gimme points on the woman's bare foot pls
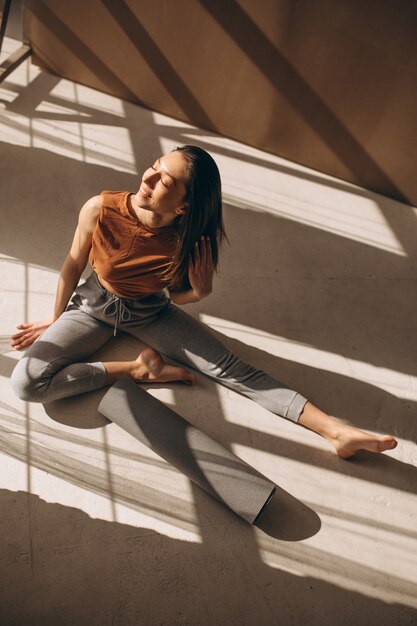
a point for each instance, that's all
(149, 367)
(348, 441)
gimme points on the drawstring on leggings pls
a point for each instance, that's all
(117, 307)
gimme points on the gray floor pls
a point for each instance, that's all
(317, 287)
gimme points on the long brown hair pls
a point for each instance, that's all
(203, 215)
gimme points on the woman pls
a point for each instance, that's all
(165, 237)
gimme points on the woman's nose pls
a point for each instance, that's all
(150, 177)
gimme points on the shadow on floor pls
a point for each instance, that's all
(60, 566)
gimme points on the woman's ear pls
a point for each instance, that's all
(181, 210)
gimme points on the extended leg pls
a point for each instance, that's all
(186, 340)
(181, 338)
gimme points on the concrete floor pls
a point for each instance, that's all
(317, 287)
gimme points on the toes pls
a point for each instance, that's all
(188, 378)
(387, 443)
(177, 373)
(371, 444)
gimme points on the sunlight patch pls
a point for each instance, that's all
(399, 384)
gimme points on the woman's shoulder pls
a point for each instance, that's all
(90, 212)
(92, 207)
(105, 203)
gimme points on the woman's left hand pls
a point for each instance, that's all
(200, 270)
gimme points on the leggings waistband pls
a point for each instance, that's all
(97, 301)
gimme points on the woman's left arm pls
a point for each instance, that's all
(200, 274)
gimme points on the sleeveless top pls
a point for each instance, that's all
(126, 253)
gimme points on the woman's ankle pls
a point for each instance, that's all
(319, 422)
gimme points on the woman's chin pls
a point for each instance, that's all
(139, 198)
(140, 202)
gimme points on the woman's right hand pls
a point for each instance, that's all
(29, 333)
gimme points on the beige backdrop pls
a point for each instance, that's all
(331, 84)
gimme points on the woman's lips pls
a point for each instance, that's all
(143, 193)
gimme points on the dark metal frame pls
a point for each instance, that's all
(15, 59)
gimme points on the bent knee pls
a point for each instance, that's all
(27, 381)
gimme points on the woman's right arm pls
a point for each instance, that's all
(73, 267)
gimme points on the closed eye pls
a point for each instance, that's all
(155, 170)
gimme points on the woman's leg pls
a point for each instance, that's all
(50, 368)
(346, 440)
(182, 338)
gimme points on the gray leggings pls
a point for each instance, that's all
(51, 369)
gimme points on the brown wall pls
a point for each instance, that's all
(331, 84)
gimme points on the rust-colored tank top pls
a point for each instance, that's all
(125, 252)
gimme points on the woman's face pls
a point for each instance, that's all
(162, 189)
